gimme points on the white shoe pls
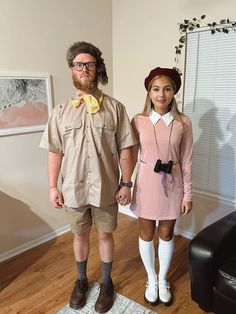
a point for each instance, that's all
(164, 292)
(151, 293)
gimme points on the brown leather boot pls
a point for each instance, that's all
(105, 298)
(78, 296)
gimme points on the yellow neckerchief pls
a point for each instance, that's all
(92, 103)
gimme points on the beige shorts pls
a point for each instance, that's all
(82, 218)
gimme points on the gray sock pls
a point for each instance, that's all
(82, 269)
(106, 272)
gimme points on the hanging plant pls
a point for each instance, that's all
(189, 25)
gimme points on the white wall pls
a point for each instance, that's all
(34, 38)
(144, 36)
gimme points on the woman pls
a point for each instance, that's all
(162, 190)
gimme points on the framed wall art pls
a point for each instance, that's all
(25, 102)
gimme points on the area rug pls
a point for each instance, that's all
(122, 305)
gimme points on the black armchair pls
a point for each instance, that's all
(212, 263)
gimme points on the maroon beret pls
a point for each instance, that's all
(172, 73)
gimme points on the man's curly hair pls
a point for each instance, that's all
(84, 47)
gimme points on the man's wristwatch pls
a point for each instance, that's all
(128, 184)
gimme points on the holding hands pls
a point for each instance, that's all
(123, 196)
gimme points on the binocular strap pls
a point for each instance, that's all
(164, 176)
(168, 152)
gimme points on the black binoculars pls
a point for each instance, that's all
(159, 166)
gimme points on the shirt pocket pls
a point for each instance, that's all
(105, 127)
(72, 135)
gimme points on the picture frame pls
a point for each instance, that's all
(25, 102)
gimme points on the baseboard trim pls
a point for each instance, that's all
(29, 245)
(184, 233)
(126, 211)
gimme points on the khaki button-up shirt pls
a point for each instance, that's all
(90, 144)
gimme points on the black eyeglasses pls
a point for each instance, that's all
(78, 66)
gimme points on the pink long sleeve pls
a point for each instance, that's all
(186, 151)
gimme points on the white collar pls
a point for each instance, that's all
(155, 117)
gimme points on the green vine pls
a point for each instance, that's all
(189, 25)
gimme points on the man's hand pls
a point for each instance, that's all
(55, 197)
(123, 196)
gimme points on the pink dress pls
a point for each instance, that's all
(158, 196)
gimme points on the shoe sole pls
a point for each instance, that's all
(154, 303)
(166, 303)
(103, 310)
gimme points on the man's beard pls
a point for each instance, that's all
(85, 86)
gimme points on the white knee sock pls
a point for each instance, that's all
(147, 252)
(165, 253)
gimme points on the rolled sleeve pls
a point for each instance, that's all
(51, 139)
(125, 135)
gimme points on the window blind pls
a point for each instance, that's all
(210, 102)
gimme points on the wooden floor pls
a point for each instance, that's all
(40, 280)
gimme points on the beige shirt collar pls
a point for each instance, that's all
(155, 117)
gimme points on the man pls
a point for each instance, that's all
(88, 138)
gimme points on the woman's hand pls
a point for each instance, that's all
(186, 207)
